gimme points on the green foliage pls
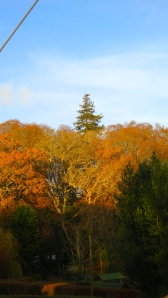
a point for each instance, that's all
(9, 260)
(143, 211)
(25, 228)
(87, 120)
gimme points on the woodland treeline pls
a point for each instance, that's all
(95, 201)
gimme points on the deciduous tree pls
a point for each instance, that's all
(22, 178)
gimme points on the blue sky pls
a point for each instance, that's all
(117, 51)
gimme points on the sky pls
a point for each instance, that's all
(114, 50)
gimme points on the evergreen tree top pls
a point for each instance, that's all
(86, 119)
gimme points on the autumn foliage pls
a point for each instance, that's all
(46, 169)
(39, 165)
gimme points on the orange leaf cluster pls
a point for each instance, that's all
(39, 165)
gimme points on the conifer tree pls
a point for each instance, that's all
(86, 119)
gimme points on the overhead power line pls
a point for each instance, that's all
(22, 20)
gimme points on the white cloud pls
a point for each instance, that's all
(139, 72)
(5, 95)
(25, 95)
(11, 95)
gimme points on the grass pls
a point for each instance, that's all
(107, 285)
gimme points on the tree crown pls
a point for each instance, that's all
(86, 119)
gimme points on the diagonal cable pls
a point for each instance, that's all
(22, 20)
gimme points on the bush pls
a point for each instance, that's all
(51, 289)
(9, 258)
(63, 289)
(81, 290)
(9, 287)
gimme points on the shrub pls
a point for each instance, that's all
(19, 288)
(9, 258)
(82, 290)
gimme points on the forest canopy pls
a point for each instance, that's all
(72, 181)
